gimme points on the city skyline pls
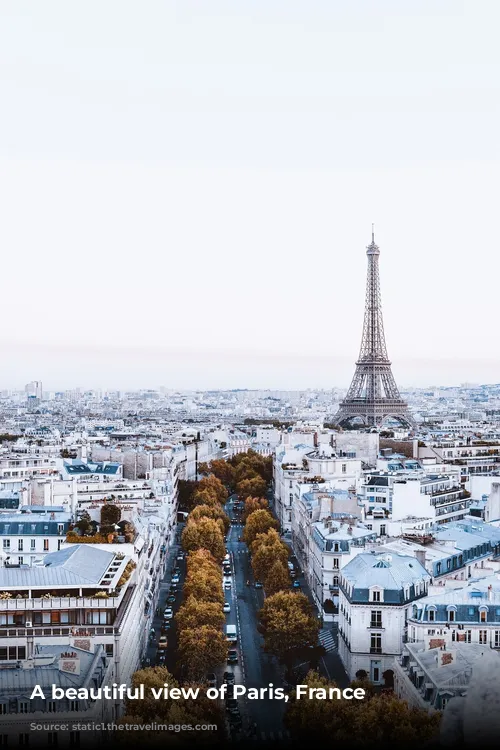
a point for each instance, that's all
(168, 189)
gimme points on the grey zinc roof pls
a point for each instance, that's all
(77, 565)
(391, 572)
(19, 681)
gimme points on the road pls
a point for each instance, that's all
(256, 668)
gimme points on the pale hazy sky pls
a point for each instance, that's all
(187, 190)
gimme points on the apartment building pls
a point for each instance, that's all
(82, 611)
(376, 594)
(29, 535)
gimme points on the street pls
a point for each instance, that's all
(262, 719)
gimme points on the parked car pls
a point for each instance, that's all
(227, 558)
(296, 584)
(232, 706)
(171, 598)
(162, 642)
(180, 556)
(227, 607)
(212, 679)
(228, 678)
(227, 585)
(176, 578)
(232, 656)
(258, 585)
(230, 692)
(162, 658)
(168, 614)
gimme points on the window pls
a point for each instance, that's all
(52, 738)
(497, 639)
(6, 543)
(73, 705)
(23, 707)
(24, 739)
(20, 543)
(468, 636)
(483, 637)
(438, 568)
(382, 529)
(335, 581)
(74, 739)
(451, 615)
(344, 468)
(432, 615)
(376, 596)
(3, 708)
(375, 643)
(336, 563)
(45, 545)
(33, 545)
(483, 615)
(109, 649)
(376, 618)
(51, 707)
(20, 560)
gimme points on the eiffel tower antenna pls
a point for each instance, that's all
(373, 395)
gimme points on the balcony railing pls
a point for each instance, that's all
(58, 630)
(69, 602)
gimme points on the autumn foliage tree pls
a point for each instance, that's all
(254, 487)
(196, 612)
(276, 578)
(254, 503)
(210, 511)
(288, 623)
(379, 720)
(258, 522)
(213, 484)
(204, 533)
(201, 650)
(222, 470)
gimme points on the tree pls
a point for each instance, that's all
(266, 550)
(251, 488)
(212, 483)
(223, 471)
(187, 488)
(254, 503)
(152, 677)
(110, 514)
(258, 522)
(210, 511)
(194, 613)
(379, 720)
(205, 533)
(201, 650)
(204, 497)
(276, 579)
(203, 469)
(288, 624)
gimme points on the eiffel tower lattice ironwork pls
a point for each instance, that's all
(373, 395)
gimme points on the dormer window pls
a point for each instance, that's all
(483, 614)
(376, 595)
(452, 613)
(432, 615)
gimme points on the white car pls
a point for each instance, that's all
(227, 607)
(168, 614)
(227, 585)
(227, 558)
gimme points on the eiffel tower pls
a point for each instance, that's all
(373, 395)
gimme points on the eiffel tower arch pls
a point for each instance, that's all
(373, 395)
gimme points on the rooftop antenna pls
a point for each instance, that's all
(373, 232)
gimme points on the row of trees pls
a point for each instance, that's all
(200, 619)
(269, 554)
(379, 720)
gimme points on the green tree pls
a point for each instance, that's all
(258, 522)
(204, 533)
(110, 514)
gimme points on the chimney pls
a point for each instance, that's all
(490, 593)
(420, 555)
(316, 442)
